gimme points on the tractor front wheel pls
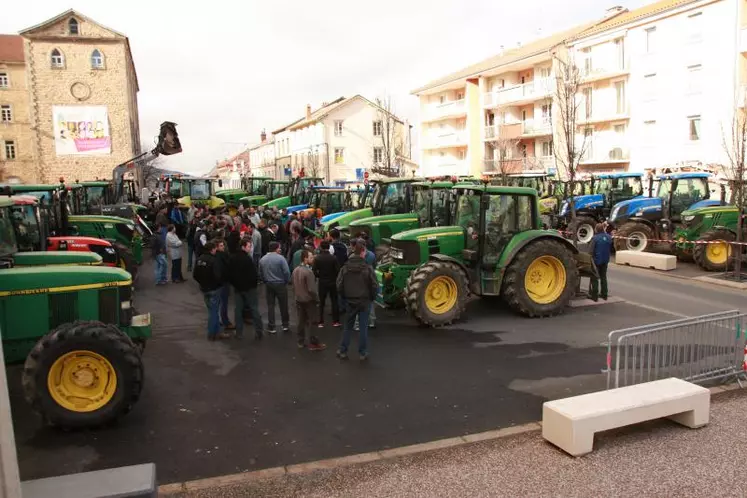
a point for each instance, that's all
(541, 279)
(713, 252)
(436, 293)
(634, 237)
(582, 228)
(83, 374)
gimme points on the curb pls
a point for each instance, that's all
(722, 283)
(333, 463)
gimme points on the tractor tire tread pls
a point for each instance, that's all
(700, 250)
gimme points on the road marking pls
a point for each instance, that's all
(654, 308)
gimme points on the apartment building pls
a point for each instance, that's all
(659, 86)
(231, 170)
(262, 157)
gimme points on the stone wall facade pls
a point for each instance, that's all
(18, 131)
(77, 83)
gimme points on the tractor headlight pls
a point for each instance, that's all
(564, 208)
(614, 212)
(688, 218)
(396, 253)
(126, 305)
(110, 250)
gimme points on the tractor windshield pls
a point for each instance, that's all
(26, 227)
(96, 196)
(422, 196)
(687, 192)
(7, 236)
(353, 200)
(331, 202)
(256, 187)
(276, 190)
(467, 215)
(440, 207)
(392, 198)
(623, 187)
(200, 189)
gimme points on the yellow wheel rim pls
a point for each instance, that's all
(545, 280)
(718, 253)
(441, 295)
(122, 264)
(82, 381)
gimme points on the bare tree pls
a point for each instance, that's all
(734, 144)
(567, 147)
(393, 144)
(505, 149)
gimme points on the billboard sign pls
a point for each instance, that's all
(81, 130)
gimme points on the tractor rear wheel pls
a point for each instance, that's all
(582, 228)
(634, 237)
(83, 374)
(126, 261)
(383, 257)
(541, 279)
(716, 254)
(436, 293)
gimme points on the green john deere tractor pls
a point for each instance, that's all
(98, 197)
(494, 247)
(252, 190)
(705, 233)
(272, 189)
(76, 330)
(299, 194)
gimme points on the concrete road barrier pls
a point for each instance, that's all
(571, 423)
(646, 260)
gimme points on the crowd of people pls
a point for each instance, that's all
(247, 252)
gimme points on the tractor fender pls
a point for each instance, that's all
(526, 239)
(448, 259)
(638, 219)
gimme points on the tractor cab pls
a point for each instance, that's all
(199, 190)
(494, 247)
(99, 198)
(252, 192)
(272, 189)
(357, 198)
(433, 200)
(530, 179)
(301, 191)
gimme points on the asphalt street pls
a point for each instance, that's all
(217, 408)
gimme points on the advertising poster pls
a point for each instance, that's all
(81, 130)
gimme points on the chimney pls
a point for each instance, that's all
(308, 111)
(263, 136)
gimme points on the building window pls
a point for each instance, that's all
(695, 28)
(6, 114)
(620, 52)
(377, 126)
(4, 81)
(339, 155)
(58, 60)
(460, 96)
(650, 40)
(546, 113)
(693, 78)
(97, 59)
(694, 124)
(378, 155)
(587, 102)
(441, 99)
(547, 148)
(649, 86)
(620, 96)
(461, 154)
(10, 150)
(338, 128)
(72, 26)
(586, 57)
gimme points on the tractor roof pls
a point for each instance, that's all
(680, 176)
(400, 180)
(6, 202)
(529, 174)
(491, 189)
(258, 178)
(94, 183)
(32, 187)
(605, 176)
(437, 184)
(278, 181)
(24, 200)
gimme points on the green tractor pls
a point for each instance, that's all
(98, 197)
(706, 233)
(494, 247)
(273, 189)
(77, 332)
(252, 190)
(299, 194)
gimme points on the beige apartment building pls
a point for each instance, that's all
(659, 84)
(68, 101)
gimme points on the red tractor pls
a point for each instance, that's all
(32, 232)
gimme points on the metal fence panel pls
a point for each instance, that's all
(697, 349)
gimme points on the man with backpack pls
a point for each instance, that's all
(357, 286)
(338, 248)
(207, 273)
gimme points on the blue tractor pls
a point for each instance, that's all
(608, 189)
(641, 220)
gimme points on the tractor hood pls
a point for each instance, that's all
(223, 194)
(696, 210)
(333, 216)
(252, 199)
(345, 219)
(633, 207)
(212, 202)
(41, 280)
(373, 220)
(100, 219)
(421, 234)
(705, 203)
(297, 207)
(279, 203)
(43, 258)
(582, 202)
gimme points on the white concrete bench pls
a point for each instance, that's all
(571, 423)
(646, 260)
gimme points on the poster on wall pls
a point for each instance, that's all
(81, 130)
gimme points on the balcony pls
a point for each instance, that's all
(443, 140)
(520, 94)
(523, 164)
(536, 127)
(446, 166)
(601, 114)
(743, 40)
(525, 129)
(599, 71)
(452, 109)
(605, 154)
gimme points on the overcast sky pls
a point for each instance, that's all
(223, 70)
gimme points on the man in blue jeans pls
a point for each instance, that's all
(601, 246)
(207, 273)
(357, 287)
(243, 276)
(158, 249)
(275, 273)
(221, 256)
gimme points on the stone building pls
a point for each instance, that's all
(78, 118)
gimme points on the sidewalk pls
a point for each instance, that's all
(654, 459)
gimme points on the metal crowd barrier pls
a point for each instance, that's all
(697, 349)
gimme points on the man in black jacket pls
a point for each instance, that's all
(338, 248)
(207, 273)
(267, 236)
(222, 260)
(358, 287)
(326, 268)
(243, 276)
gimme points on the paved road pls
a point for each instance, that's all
(211, 409)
